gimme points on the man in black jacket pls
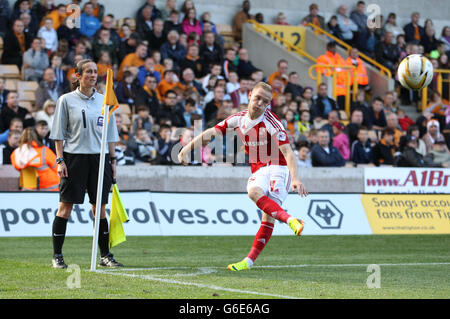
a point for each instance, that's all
(146, 95)
(16, 42)
(172, 110)
(322, 103)
(210, 51)
(324, 154)
(293, 87)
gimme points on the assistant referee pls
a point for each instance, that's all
(77, 131)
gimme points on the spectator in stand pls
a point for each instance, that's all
(322, 103)
(210, 51)
(389, 102)
(5, 13)
(391, 26)
(421, 146)
(376, 116)
(48, 89)
(157, 36)
(99, 9)
(361, 150)
(148, 95)
(240, 96)
(323, 154)
(340, 140)
(126, 89)
(282, 71)
(42, 131)
(346, 25)
(440, 153)
(211, 109)
(404, 120)
(133, 60)
(360, 19)
(58, 15)
(108, 23)
(49, 35)
(281, 19)
(333, 28)
(187, 4)
(413, 31)
(60, 73)
(361, 104)
(16, 42)
(129, 45)
(104, 43)
(142, 146)
(383, 151)
(156, 13)
(293, 86)
(333, 117)
(171, 5)
(35, 61)
(190, 108)
(8, 147)
(165, 145)
(29, 27)
(245, 66)
(429, 41)
(193, 61)
(388, 53)
(172, 110)
(216, 71)
(304, 123)
(47, 113)
(169, 81)
(190, 23)
(313, 17)
(356, 122)
(410, 157)
(142, 120)
(144, 25)
(173, 22)
(445, 38)
(24, 6)
(433, 134)
(12, 110)
(89, 24)
(3, 93)
(303, 159)
(228, 63)
(80, 49)
(173, 49)
(16, 124)
(233, 83)
(188, 82)
(148, 69)
(240, 18)
(361, 72)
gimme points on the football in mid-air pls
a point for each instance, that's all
(415, 72)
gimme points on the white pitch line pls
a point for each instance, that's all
(184, 283)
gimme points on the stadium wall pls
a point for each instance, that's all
(211, 179)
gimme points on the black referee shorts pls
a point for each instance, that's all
(82, 170)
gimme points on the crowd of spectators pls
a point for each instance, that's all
(174, 71)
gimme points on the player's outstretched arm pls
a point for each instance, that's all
(200, 140)
(289, 155)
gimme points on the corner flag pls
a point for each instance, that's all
(110, 98)
(117, 217)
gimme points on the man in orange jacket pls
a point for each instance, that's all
(331, 57)
(361, 71)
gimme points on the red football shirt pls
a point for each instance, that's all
(261, 137)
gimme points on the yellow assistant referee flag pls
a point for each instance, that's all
(110, 97)
(117, 217)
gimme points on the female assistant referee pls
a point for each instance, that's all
(77, 131)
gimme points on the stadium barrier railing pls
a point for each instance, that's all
(439, 85)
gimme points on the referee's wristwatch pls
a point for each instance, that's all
(59, 160)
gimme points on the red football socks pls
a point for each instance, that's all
(271, 208)
(261, 239)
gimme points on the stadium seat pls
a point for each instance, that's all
(226, 31)
(124, 109)
(11, 84)
(9, 71)
(23, 86)
(29, 179)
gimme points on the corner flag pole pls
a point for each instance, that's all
(98, 201)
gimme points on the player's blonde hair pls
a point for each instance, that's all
(264, 86)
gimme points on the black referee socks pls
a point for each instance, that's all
(58, 234)
(103, 237)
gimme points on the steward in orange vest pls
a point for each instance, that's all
(333, 58)
(30, 153)
(361, 72)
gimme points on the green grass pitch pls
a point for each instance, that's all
(195, 267)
